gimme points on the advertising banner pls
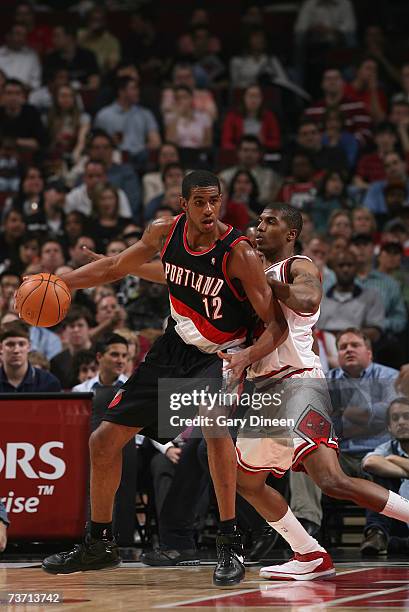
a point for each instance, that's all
(44, 463)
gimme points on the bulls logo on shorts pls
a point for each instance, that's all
(313, 424)
(117, 398)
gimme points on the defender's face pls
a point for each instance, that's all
(272, 231)
(203, 208)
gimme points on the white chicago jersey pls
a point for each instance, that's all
(295, 354)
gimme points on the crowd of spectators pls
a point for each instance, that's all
(98, 127)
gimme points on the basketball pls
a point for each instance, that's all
(43, 300)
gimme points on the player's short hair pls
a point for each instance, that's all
(289, 214)
(397, 400)
(199, 178)
(14, 329)
(356, 332)
(103, 345)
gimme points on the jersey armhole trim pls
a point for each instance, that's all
(285, 276)
(169, 236)
(224, 268)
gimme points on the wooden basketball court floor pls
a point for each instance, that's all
(357, 586)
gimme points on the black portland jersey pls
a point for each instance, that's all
(210, 311)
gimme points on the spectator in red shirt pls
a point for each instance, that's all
(370, 167)
(242, 204)
(299, 190)
(252, 118)
(357, 119)
(39, 37)
(365, 87)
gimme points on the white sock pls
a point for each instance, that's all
(294, 533)
(397, 507)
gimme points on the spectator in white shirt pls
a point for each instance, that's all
(19, 61)
(80, 198)
(112, 357)
(187, 127)
(203, 99)
(327, 20)
(256, 61)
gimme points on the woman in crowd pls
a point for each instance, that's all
(11, 233)
(335, 136)
(186, 127)
(30, 198)
(331, 196)
(251, 118)
(340, 225)
(67, 125)
(28, 253)
(75, 225)
(242, 204)
(255, 62)
(107, 223)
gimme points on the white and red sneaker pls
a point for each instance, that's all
(301, 567)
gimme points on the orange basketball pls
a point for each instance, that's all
(43, 300)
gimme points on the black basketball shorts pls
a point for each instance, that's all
(136, 403)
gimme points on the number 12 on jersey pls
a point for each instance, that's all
(213, 307)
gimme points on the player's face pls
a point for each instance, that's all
(272, 232)
(399, 421)
(203, 208)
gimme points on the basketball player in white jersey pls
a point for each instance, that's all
(296, 283)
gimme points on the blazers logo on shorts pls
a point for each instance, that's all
(117, 398)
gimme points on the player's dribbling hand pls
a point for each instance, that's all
(236, 362)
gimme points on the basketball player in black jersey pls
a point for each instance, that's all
(211, 272)
(279, 227)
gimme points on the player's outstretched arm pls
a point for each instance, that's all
(152, 271)
(304, 294)
(110, 269)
